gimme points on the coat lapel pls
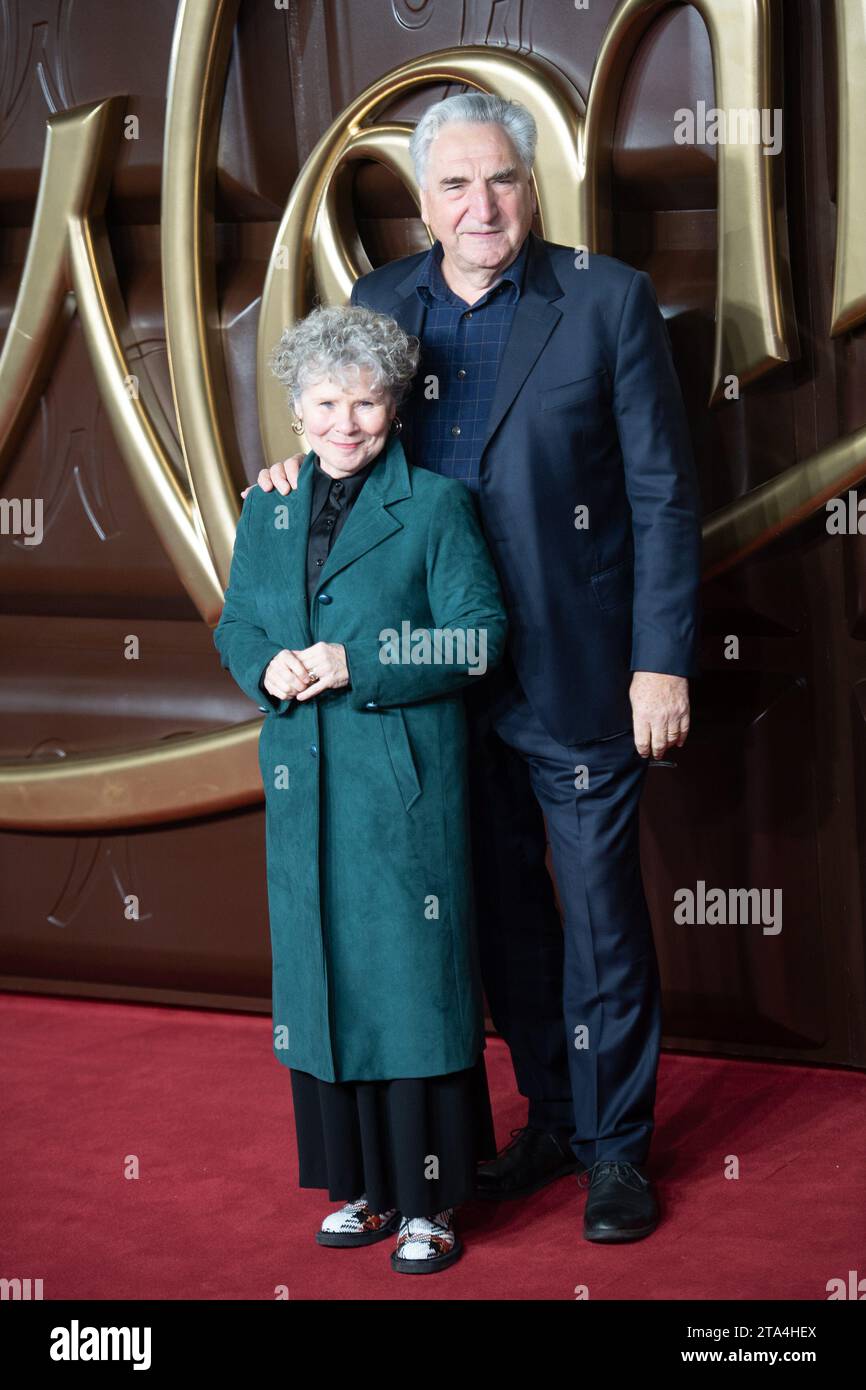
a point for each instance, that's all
(369, 521)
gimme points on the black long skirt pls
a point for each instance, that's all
(412, 1143)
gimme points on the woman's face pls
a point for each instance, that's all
(347, 425)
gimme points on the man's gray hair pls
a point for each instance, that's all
(337, 342)
(484, 109)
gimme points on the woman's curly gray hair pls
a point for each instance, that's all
(337, 342)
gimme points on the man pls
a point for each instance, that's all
(547, 386)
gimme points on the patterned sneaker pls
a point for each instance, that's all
(426, 1244)
(356, 1224)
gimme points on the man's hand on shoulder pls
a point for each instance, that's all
(660, 712)
(283, 476)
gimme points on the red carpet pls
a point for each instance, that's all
(200, 1101)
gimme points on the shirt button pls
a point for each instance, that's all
(455, 430)
(320, 562)
(461, 374)
(468, 314)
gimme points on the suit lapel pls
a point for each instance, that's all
(534, 320)
(406, 306)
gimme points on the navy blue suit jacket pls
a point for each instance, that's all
(587, 413)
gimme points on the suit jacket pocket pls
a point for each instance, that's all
(400, 753)
(586, 388)
(615, 586)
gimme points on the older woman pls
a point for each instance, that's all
(358, 608)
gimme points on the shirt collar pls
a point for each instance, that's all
(351, 485)
(431, 282)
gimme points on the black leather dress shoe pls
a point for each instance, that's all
(621, 1205)
(532, 1159)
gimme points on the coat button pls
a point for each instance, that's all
(325, 598)
(371, 704)
(313, 749)
(263, 708)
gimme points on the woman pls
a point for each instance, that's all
(359, 607)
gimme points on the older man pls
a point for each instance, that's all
(546, 385)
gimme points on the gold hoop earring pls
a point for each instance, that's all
(396, 425)
(298, 426)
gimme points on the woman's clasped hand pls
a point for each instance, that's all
(303, 674)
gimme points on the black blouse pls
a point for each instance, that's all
(333, 499)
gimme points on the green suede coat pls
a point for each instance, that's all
(375, 967)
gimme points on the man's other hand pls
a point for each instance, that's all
(660, 712)
(283, 476)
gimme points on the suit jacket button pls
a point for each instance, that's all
(325, 598)
(313, 749)
(263, 708)
(371, 704)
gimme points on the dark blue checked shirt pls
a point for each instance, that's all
(462, 345)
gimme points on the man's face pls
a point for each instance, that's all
(479, 200)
